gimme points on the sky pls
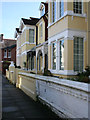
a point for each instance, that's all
(11, 14)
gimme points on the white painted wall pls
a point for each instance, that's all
(67, 98)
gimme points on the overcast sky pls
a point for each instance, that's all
(12, 12)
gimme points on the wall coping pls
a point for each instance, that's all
(68, 83)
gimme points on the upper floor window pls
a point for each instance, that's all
(9, 53)
(53, 11)
(31, 35)
(77, 7)
(41, 30)
(78, 54)
(42, 11)
(54, 55)
(61, 8)
(5, 53)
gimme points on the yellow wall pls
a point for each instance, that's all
(49, 56)
(78, 23)
(58, 27)
(68, 54)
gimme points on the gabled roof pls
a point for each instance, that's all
(30, 21)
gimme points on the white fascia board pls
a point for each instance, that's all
(67, 34)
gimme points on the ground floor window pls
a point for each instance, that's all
(54, 55)
(31, 62)
(78, 54)
(61, 54)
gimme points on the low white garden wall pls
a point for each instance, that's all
(67, 98)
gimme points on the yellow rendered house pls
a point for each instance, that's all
(42, 41)
(26, 39)
(68, 37)
(37, 57)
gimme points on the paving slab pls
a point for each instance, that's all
(17, 105)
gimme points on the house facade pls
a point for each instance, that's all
(7, 53)
(26, 39)
(42, 42)
(37, 57)
(67, 37)
(58, 41)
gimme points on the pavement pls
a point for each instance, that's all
(17, 105)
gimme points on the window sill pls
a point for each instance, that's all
(63, 72)
(5, 57)
(32, 43)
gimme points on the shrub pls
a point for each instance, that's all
(47, 73)
(84, 76)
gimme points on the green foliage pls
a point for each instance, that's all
(5, 66)
(24, 63)
(47, 73)
(17, 66)
(84, 76)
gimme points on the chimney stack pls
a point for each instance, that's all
(1, 37)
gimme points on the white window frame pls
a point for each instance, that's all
(83, 55)
(5, 53)
(9, 53)
(33, 36)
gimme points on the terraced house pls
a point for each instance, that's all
(57, 41)
(68, 37)
(26, 39)
(38, 56)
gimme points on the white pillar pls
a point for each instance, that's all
(36, 62)
(57, 56)
(43, 63)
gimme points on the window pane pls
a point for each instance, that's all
(54, 55)
(61, 8)
(9, 53)
(31, 36)
(62, 55)
(5, 53)
(78, 54)
(53, 11)
(77, 7)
